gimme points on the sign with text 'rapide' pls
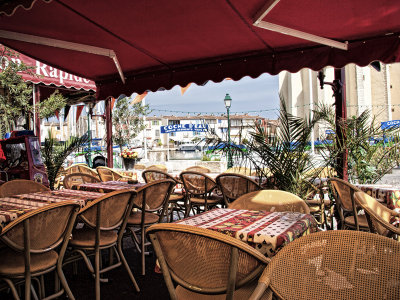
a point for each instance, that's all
(184, 127)
(47, 74)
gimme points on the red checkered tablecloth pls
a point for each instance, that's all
(388, 194)
(265, 231)
(15, 206)
(108, 186)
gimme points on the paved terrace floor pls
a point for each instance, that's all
(119, 286)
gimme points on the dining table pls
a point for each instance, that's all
(108, 186)
(266, 231)
(14, 206)
(385, 193)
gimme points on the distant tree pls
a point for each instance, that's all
(128, 121)
(16, 94)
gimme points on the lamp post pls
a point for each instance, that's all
(228, 102)
(89, 108)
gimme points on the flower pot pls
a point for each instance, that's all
(129, 163)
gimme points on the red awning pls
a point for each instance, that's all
(158, 44)
(48, 75)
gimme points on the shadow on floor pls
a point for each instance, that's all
(119, 287)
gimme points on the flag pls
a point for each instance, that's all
(79, 109)
(139, 98)
(112, 102)
(66, 111)
(184, 89)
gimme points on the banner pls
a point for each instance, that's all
(390, 124)
(184, 127)
(184, 89)
(46, 74)
(139, 98)
(79, 109)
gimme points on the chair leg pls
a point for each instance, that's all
(97, 273)
(64, 283)
(143, 238)
(12, 287)
(127, 268)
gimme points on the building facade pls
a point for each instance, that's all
(366, 88)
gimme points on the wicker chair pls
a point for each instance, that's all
(158, 168)
(108, 174)
(241, 170)
(335, 264)
(198, 187)
(75, 179)
(176, 200)
(29, 243)
(105, 221)
(21, 186)
(233, 186)
(75, 168)
(319, 206)
(139, 167)
(199, 169)
(205, 264)
(271, 200)
(379, 217)
(86, 170)
(343, 192)
(152, 205)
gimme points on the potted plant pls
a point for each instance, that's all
(129, 157)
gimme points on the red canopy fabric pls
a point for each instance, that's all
(50, 76)
(160, 44)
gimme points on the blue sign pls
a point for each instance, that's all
(329, 131)
(184, 127)
(390, 124)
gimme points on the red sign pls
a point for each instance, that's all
(48, 75)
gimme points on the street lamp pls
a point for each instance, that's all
(228, 102)
(89, 111)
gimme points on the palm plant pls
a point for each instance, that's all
(283, 159)
(55, 154)
(369, 156)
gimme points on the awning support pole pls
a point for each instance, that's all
(109, 143)
(36, 100)
(341, 114)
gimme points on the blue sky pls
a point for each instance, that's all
(247, 95)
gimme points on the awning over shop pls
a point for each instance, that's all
(134, 46)
(48, 75)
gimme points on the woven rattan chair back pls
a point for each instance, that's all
(139, 167)
(86, 170)
(379, 217)
(343, 193)
(75, 179)
(154, 175)
(38, 232)
(108, 174)
(233, 186)
(20, 186)
(107, 212)
(240, 170)
(74, 168)
(336, 264)
(153, 197)
(271, 200)
(204, 261)
(199, 169)
(162, 168)
(196, 183)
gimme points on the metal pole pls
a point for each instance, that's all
(90, 140)
(229, 141)
(110, 158)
